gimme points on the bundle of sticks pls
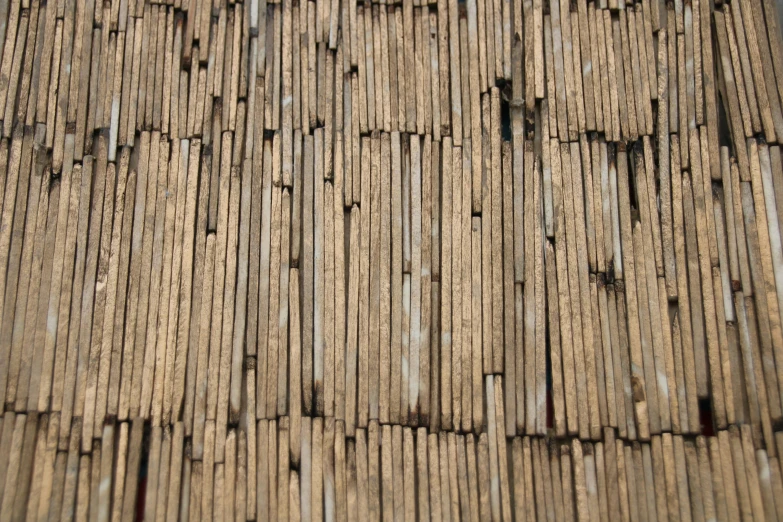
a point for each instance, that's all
(328, 259)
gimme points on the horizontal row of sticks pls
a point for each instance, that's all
(185, 70)
(274, 471)
(260, 344)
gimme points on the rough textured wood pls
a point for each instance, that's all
(339, 259)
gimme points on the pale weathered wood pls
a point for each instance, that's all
(329, 224)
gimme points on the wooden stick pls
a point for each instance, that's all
(587, 68)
